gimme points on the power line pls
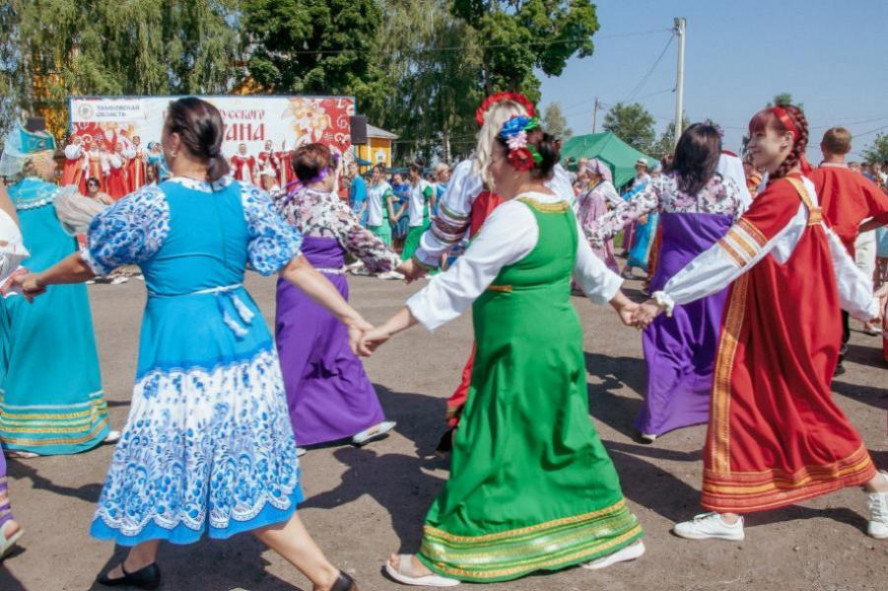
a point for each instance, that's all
(644, 78)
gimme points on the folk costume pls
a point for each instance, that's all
(208, 446)
(243, 168)
(51, 399)
(329, 394)
(679, 351)
(531, 485)
(775, 435)
(378, 223)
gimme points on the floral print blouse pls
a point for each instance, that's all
(324, 215)
(719, 196)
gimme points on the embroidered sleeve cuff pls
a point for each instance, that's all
(426, 260)
(664, 300)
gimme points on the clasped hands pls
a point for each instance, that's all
(638, 315)
(25, 282)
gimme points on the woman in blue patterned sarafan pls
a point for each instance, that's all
(208, 446)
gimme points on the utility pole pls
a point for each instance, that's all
(680, 30)
(595, 115)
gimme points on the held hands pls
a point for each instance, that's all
(646, 312)
(357, 328)
(29, 284)
(373, 339)
(411, 270)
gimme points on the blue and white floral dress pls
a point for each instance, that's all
(208, 445)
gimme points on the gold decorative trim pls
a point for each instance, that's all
(42, 442)
(732, 253)
(741, 241)
(525, 530)
(586, 553)
(753, 232)
(500, 288)
(724, 366)
(541, 207)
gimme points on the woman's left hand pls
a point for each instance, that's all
(646, 313)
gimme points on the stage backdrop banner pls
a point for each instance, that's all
(286, 121)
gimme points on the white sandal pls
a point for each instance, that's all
(6, 544)
(373, 433)
(630, 552)
(404, 574)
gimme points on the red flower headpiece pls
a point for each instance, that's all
(503, 96)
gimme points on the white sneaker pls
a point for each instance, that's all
(708, 526)
(119, 279)
(630, 552)
(648, 437)
(877, 503)
(301, 451)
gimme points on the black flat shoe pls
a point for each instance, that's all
(344, 583)
(144, 578)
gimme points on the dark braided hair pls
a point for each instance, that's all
(800, 140)
(199, 124)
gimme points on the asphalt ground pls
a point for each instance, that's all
(363, 504)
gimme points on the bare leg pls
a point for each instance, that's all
(729, 518)
(878, 483)
(138, 558)
(293, 542)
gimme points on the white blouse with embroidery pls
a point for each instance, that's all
(509, 234)
(715, 269)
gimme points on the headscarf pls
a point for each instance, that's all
(598, 167)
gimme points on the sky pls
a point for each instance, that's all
(832, 57)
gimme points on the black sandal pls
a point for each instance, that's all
(144, 578)
(344, 583)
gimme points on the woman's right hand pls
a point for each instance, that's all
(372, 340)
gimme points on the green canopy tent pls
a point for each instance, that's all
(617, 154)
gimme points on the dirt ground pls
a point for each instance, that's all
(363, 504)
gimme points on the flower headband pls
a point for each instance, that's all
(522, 155)
(500, 97)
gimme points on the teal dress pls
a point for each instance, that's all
(208, 446)
(51, 399)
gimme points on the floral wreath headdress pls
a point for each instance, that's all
(522, 155)
(500, 97)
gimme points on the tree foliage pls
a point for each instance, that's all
(431, 63)
(58, 48)
(520, 35)
(633, 124)
(417, 68)
(878, 150)
(554, 121)
(310, 47)
(665, 145)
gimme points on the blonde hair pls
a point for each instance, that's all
(494, 119)
(34, 162)
(837, 140)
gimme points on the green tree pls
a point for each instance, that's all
(521, 35)
(878, 150)
(554, 121)
(431, 66)
(309, 47)
(666, 144)
(631, 123)
(56, 48)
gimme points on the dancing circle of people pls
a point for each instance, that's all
(218, 405)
